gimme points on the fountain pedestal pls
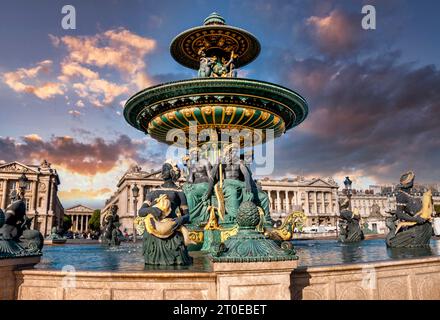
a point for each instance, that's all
(254, 281)
(7, 274)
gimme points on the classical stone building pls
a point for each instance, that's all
(317, 197)
(42, 202)
(123, 197)
(80, 216)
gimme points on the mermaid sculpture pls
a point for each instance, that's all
(161, 219)
(410, 225)
(349, 226)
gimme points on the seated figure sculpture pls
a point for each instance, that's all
(409, 225)
(164, 213)
(199, 186)
(349, 227)
(238, 185)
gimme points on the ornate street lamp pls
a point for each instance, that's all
(135, 191)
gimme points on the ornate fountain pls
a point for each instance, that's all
(177, 113)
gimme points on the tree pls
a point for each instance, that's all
(67, 223)
(95, 220)
(437, 209)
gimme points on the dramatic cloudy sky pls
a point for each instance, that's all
(374, 96)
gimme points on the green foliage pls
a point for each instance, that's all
(67, 223)
(437, 209)
(95, 220)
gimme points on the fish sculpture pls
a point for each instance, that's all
(162, 227)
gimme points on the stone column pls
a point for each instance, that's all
(47, 205)
(287, 202)
(5, 193)
(87, 222)
(293, 203)
(131, 205)
(142, 191)
(315, 200)
(306, 204)
(323, 202)
(77, 223)
(330, 202)
(51, 195)
(32, 198)
(270, 199)
(278, 202)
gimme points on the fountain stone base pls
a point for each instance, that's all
(7, 274)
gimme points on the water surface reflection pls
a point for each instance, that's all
(128, 256)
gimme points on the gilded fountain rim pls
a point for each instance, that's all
(289, 102)
(182, 54)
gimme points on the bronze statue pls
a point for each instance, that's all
(199, 186)
(350, 229)
(111, 234)
(205, 64)
(161, 219)
(56, 233)
(215, 66)
(238, 185)
(16, 236)
(410, 224)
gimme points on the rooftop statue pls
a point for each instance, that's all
(111, 235)
(350, 229)
(161, 219)
(410, 225)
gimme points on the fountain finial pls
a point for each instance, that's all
(214, 18)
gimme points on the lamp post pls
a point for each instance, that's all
(135, 192)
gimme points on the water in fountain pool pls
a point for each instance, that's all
(128, 256)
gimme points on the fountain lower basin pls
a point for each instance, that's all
(327, 270)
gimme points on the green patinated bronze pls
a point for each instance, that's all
(413, 211)
(216, 38)
(17, 239)
(184, 101)
(55, 234)
(217, 100)
(198, 207)
(249, 245)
